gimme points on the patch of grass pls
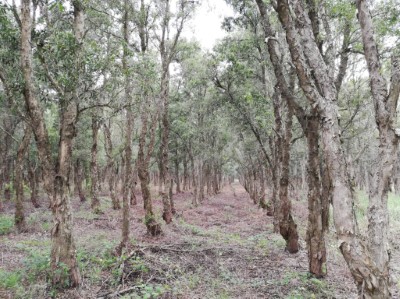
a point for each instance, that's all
(86, 214)
(9, 280)
(37, 264)
(40, 219)
(6, 224)
(305, 286)
(278, 241)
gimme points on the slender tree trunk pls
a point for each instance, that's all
(128, 137)
(177, 178)
(94, 189)
(33, 184)
(18, 180)
(262, 202)
(79, 179)
(112, 169)
(185, 173)
(153, 228)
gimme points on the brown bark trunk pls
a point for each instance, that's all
(94, 188)
(33, 178)
(385, 104)
(185, 173)
(63, 246)
(315, 230)
(371, 279)
(287, 226)
(18, 180)
(128, 137)
(177, 178)
(79, 179)
(112, 169)
(262, 201)
(153, 227)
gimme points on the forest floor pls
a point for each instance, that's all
(225, 248)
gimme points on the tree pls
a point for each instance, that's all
(319, 88)
(55, 178)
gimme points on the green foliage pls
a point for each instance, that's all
(37, 264)
(9, 280)
(150, 291)
(6, 224)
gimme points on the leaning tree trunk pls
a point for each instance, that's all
(18, 180)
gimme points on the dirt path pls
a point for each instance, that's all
(224, 248)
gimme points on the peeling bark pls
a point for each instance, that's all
(18, 180)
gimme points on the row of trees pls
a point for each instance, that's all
(303, 68)
(282, 103)
(105, 113)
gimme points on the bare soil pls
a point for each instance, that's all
(224, 248)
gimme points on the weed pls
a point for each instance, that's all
(9, 280)
(37, 264)
(6, 224)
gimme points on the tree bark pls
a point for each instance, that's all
(94, 169)
(55, 179)
(153, 228)
(112, 168)
(320, 90)
(315, 229)
(128, 136)
(385, 104)
(33, 178)
(18, 180)
(287, 226)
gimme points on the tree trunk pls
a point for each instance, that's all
(177, 178)
(185, 173)
(385, 103)
(128, 137)
(315, 230)
(63, 246)
(287, 226)
(112, 169)
(18, 180)
(79, 179)
(33, 178)
(94, 188)
(153, 228)
(372, 280)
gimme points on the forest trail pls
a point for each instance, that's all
(224, 248)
